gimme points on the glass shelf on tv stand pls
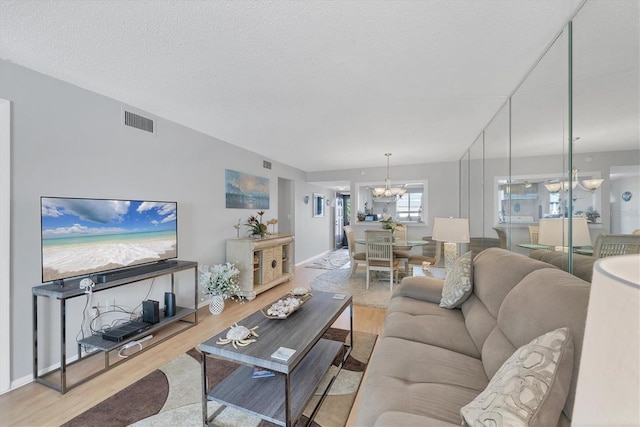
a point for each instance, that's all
(98, 343)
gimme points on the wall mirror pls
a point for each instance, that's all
(576, 110)
(606, 107)
(539, 148)
(496, 163)
(318, 205)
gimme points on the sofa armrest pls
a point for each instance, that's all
(422, 288)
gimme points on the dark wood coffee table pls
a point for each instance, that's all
(280, 399)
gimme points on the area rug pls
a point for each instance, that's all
(378, 294)
(331, 261)
(171, 395)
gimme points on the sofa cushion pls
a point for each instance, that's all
(458, 284)
(545, 300)
(427, 323)
(582, 264)
(495, 272)
(420, 288)
(418, 379)
(402, 419)
(530, 388)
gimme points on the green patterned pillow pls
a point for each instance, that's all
(458, 284)
(531, 387)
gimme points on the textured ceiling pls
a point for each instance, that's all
(316, 85)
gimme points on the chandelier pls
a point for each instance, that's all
(589, 185)
(387, 193)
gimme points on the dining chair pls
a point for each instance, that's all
(636, 232)
(616, 244)
(355, 257)
(380, 254)
(402, 253)
(479, 244)
(534, 230)
(502, 235)
(431, 253)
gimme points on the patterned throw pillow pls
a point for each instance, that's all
(458, 284)
(531, 387)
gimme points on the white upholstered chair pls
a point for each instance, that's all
(355, 257)
(380, 254)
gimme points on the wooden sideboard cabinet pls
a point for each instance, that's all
(263, 263)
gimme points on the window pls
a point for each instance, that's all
(409, 206)
(413, 206)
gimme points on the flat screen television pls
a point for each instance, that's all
(81, 237)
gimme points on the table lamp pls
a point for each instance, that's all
(451, 231)
(555, 232)
(608, 387)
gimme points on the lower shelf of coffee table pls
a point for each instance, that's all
(265, 397)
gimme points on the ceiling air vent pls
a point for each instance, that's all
(139, 122)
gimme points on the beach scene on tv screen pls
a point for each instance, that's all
(84, 236)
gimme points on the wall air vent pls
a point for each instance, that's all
(266, 164)
(139, 122)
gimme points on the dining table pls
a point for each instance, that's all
(400, 244)
(583, 250)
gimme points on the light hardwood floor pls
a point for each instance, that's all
(37, 405)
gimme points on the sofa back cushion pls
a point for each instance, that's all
(495, 272)
(545, 300)
(582, 264)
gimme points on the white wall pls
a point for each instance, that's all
(69, 142)
(625, 216)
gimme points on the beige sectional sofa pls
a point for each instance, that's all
(582, 264)
(430, 361)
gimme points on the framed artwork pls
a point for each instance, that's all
(245, 191)
(318, 205)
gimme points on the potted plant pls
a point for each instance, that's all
(256, 227)
(220, 282)
(388, 223)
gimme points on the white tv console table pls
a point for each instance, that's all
(184, 318)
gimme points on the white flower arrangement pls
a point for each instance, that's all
(388, 222)
(221, 279)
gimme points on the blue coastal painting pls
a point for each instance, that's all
(246, 191)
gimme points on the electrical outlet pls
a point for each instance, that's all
(94, 312)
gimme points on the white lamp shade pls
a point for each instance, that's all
(592, 184)
(454, 230)
(555, 232)
(608, 388)
(553, 187)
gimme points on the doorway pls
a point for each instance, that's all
(341, 214)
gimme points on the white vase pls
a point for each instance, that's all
(216, 305)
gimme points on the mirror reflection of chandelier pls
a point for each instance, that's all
(387, 193)
(589, 185)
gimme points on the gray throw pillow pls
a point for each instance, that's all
(531, 387)
(458, 283)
